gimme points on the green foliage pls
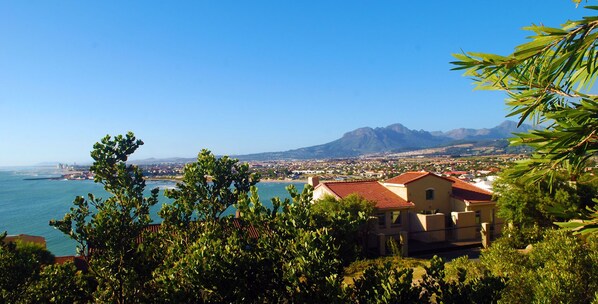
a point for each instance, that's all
(542, 203)
(308, 267)
(400, 262)
(385, 284)
(437, 288)
(549, 80)
(60, 284)
(210, 186)
(453, 269)
(347, 219)
(290, 260)
(354, 206)
(113, 226)
(393, 247)
(503, 260)
(20, 264)
(561, 268)
(219, 266)
(519, 238)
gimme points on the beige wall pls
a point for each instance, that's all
(427, 227)
(320, 192)
(398, 190)
(486, 212)
(458, 205)
(388, 227)
(465, 227)
(416, 193)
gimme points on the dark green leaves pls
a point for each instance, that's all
(548, 80)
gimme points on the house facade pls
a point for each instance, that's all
(420, 207)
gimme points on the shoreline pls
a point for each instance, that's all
(294, 181)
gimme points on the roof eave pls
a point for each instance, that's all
(395, 208)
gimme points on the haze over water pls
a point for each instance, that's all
(26, 206)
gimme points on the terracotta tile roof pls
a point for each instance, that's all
(469, 192)
(370, 190)
(78, 261)
(409, 177)
(240, 224)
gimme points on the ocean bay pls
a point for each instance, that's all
(26, 206)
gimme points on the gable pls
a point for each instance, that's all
(410, 177)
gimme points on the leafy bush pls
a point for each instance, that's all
(385, 284)
(61, 284)
(20, 264)
(397, 261)
(438, 288)
(519, 238)
(560, 268)
(346, 218)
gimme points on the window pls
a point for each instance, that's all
(478, 215)
(430, 194)
(395, 218)
(381, 219)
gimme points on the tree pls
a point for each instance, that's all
(210, 186)
(561, 268)
(20, 265)
(548, 80)
(386, 284)
(347, 218)
(108, 231)
(525, 204)
(287, 260)
(60, 283)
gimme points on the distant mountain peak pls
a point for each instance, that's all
(397, 127)
(360, 132)
(393, 138)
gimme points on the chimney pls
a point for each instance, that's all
(313, 181)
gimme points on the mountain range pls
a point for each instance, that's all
(392, 139)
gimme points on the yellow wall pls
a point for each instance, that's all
(388, 228)
(464, 225)
(458, 205)
(427, 227)
(486, 213)
(320, 192)
(398, 190)
(416, 193)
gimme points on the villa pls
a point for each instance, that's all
(418, 208)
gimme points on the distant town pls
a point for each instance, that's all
(470, 168)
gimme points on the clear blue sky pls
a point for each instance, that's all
(241, 77)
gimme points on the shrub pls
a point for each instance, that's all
(519, 238)
(560, 268)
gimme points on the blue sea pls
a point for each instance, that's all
(26, 206)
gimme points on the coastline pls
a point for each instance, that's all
(285, 181)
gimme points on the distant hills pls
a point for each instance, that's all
(394, 138)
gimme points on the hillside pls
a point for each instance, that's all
(391, 139)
